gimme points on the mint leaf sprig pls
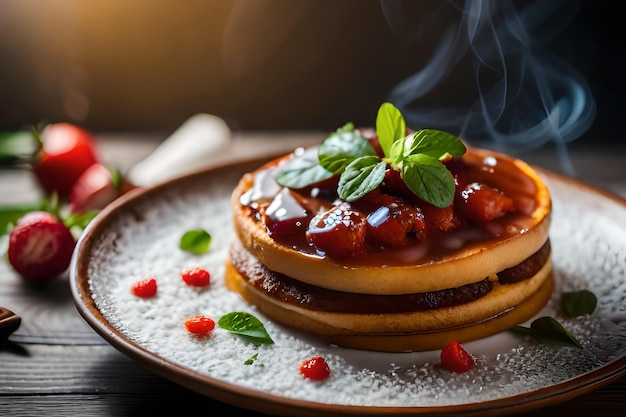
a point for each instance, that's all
(548, 328)
(196, 241)
(245, 325)
(416, 156)
(579, 303)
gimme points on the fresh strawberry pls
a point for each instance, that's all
(455, 358)
(40, 246)
(67, 151)
(94, 189)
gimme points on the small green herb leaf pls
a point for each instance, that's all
(340, 149)
(81, 220)
(18, 148)
(251, 360)
(390, 126)
(429, 179)
(548, 328)
(301, 171)
(579, 303)
(9, 215)
(245, 325)
(195, 241)
(416, 156)
(348, 127)
(434, 143)
(360, 177)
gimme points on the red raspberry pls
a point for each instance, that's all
(455, 358)
(314, 368)
(199, 325)
(196, 277)
(145, 288)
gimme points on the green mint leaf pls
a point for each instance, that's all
(195, 241)
(340, 149)
(360, 177)
(390, 126)
(579, 303)
(417, 157)
(80, 220)
(427, 177)
(9, 215)
(348, 127)
(116, 178)
(434, 143)
(302, 170)
(18, 148)
(550, 329)
(245, 325)
(397, 154)
(251, 360)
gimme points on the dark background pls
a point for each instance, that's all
(147, 65)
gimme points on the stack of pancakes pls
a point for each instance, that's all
(402, 299)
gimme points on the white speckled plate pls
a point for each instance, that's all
(137, 236)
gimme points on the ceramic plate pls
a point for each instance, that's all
(137, 237)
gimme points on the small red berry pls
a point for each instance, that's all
(40, 246)
(196, 277)
(144, 288)
(314, 368)
(455, 358)
(199, 325)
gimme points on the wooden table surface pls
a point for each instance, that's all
(56, 365)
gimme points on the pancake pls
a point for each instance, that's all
(412, 329)
(431, 275)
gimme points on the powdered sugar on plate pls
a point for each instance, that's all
(588, 235)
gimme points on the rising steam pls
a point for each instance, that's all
(522, 95)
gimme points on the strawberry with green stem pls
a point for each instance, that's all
(40, 246)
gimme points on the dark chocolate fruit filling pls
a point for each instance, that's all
(289, 290)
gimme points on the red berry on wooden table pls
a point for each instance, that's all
(40, 246)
